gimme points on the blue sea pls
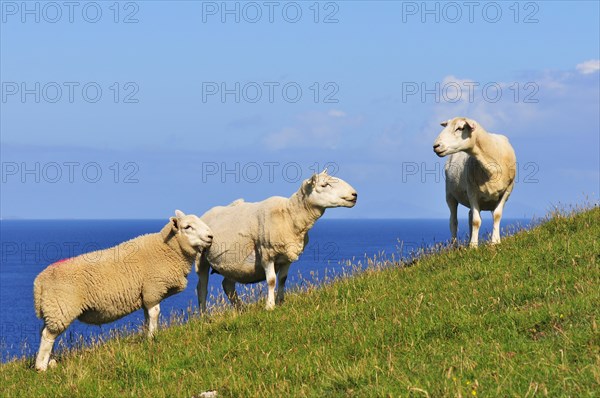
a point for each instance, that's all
(28, 246)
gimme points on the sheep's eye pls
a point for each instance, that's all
(187, 227)
(459, 128)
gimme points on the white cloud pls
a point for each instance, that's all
(532, 106)
(320, 128)
(493, 104)
(589, 67)
(336, 113)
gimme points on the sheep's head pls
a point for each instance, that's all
(327, 191)
(191, 231)
(456, 136)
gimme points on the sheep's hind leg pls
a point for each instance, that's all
(281, 278)
(497, 213)
(43, 356)
(271, 280)
(229, 288)
(151, 312)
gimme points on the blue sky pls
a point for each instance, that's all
(159, 137)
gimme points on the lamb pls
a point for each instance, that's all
(258, 241)
(105, 285)
(480, 173)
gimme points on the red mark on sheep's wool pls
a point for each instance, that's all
(59, 261)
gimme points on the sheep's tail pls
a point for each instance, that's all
(37, 297)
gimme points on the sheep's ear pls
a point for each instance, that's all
(471, 123)
(444, 123)
(324, 171)
(179, 213)
(174, 223)
(464, 122)
(309, 184)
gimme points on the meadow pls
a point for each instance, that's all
(517, 319)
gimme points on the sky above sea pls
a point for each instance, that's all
(135, 109)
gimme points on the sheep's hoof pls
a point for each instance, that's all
(52, 363)
(270, 307)
(473, 245)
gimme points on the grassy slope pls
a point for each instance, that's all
(519, 319)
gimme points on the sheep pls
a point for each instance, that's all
(105, 285)
(258, 241)
(480, 173)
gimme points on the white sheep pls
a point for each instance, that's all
(105, 285)
(480, 172)
(258, 241)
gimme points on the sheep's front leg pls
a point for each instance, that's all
(281, 278)
(453, 206)
(46, 343)
(474, 217)
(151, 312)
(202, 269)
(271, 280)
(470, 223)
(475, 225)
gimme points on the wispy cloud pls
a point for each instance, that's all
(589, 67)
(522, 103)
(336, 113)
(322, 128)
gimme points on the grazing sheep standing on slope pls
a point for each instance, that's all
(106, 285)
(480, 172)
(258, 241)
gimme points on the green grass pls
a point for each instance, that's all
(519, 319)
